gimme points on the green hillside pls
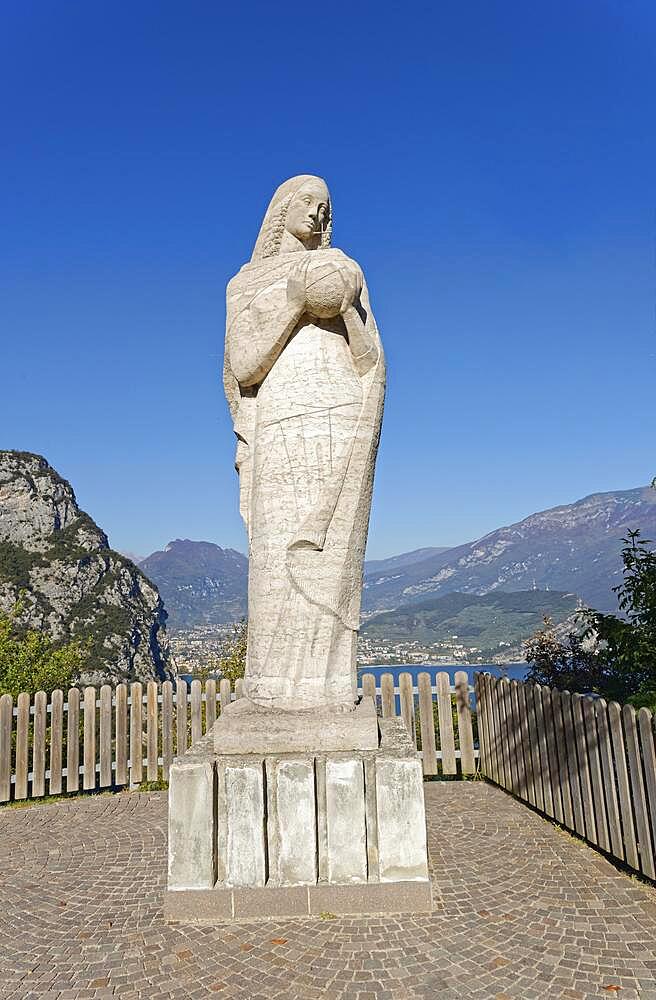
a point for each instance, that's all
(482, 621)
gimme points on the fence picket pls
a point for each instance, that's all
(495, 692)
(526, 743)
(584, 768)
(561, 752)
(181, 717)
(465, 733)
(210, 703)
(239, 688)
(534, 742)
(369, 686)
(483, 738)
(552, 754)
(592, 746)
(56, 741)
(638, 792)
(544, 754)
(623, 788)
(407, 699)
(387, 696)
(608, 771)
(167, 728)
(73, 741)
(445, 721)
(196, 711)
(22, 733)
(646, 728)
(89, 708)
(136, 733)
(492, 728)
(224, 693)
(426, 724)
(522, 782)
(572, 762)
(121, 730)
(105, 736)
(39, 745)
(152, 730)
(6, 723)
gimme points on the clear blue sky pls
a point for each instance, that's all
(492, 167)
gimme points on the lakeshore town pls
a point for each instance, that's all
(199, 649)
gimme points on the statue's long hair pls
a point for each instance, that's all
(273, 225)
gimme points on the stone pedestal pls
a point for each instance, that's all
(265, 834)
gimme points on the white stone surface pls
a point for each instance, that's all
(291, 822)
(192, 842)
(305, 379)
(401, 819)
(345, 821)
(243, 849)
(246, 728)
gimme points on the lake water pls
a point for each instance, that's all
(513, 671)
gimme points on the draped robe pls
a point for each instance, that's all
(307, 427)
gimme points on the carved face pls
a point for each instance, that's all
(308, 212)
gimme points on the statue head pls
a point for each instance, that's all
(298, 217)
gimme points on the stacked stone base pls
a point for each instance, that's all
(297, 834)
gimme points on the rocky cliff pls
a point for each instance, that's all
(71, 583)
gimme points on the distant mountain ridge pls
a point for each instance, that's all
(200, 582)
(574, 547)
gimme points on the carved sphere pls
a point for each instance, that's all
(324, 288)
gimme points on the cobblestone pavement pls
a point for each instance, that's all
(524, 911)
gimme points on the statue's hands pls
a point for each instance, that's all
(296, 295)
(352, 278)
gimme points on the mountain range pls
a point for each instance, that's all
(574, 549)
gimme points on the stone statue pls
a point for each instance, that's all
(304, 377)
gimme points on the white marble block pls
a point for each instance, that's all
(345, 821)
(401, 819)
(241, 817)
(291, 822)
(192, 808)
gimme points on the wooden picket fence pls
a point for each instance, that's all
(588, 764)
(120, 736)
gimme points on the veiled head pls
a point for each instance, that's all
(299, 213)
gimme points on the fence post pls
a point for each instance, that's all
(152, 727)
(369, 686)
(56, 740)
(606, 754)
(407, 699)
(387, 695)
(646, 727)
(445, 717)
(224, 693)
(180, 717)
(638, 790)
(136, 733)
(6, 723)
(22, 732)
(121, 726)
(39, 745)
(623, 790)
(105, 736)
(561, 751)
(426, 724)
(167, 728)
(73, 741)
(89, 779)
(210, 703)
(465, 733)
(196, 707)
(592, 745)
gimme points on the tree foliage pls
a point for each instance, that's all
(30, 661)
(233, 662)
(612, 655)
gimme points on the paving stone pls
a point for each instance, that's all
(524, 911)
